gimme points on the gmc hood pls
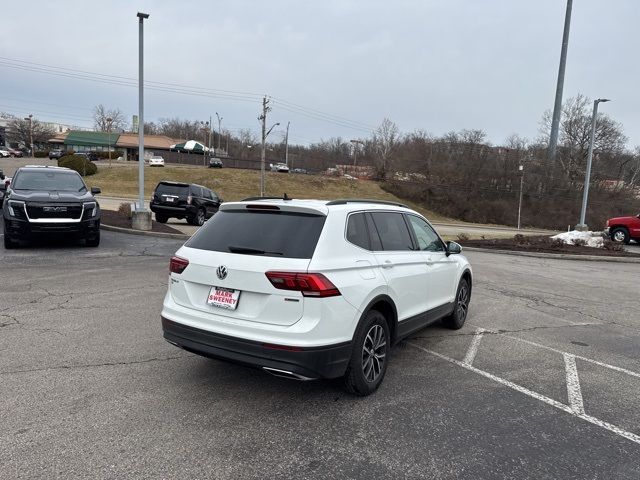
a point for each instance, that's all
(51, 197)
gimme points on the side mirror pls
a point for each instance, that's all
(453, 248)
(95, 190)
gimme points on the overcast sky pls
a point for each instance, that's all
(434, 65)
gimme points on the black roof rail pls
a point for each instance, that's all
(252, 199)
(344, 201)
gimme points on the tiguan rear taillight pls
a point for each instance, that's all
(178, 264)
(310, 284)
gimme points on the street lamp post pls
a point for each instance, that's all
(521, 169)
(109, 124)
(141, 219)
(30, 120)
(582, 226)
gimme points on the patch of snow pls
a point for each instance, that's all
(592, 239)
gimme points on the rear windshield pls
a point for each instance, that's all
(274, 234)
(166, 189)
(49, 180)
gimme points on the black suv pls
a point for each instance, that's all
(184, 200)
(49, 201)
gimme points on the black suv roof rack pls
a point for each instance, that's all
(344, 201)
(253, 199)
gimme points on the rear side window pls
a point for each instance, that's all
(274, 234)
(196, 191)
(357, 231)
(169, 189)
(393, 231)
(206, 194)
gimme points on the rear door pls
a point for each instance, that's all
(403, 267)
(231, 254)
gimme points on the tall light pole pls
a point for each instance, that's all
(219, 129)
(286, 146)
(141, 219)
(582, 226)
(521, 169)
(557, 107)
(30, 120)
(109, 123)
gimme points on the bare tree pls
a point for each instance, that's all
(575, 134)
(385, 140)
(20, 131)
(101, 116)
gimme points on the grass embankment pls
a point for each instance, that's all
(235, 184)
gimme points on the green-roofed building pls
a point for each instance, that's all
(81, 141)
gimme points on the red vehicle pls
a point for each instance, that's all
(623, 229)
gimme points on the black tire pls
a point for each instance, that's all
(456, 320)
(161, 218)
(369, 355)
(620, 234)
(93, 241)
(199, 219)
(8, 242)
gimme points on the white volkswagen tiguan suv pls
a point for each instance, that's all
(309, 289)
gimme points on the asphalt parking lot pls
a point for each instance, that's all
(542, 382)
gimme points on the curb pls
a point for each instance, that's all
(555, 256)
(175, 236)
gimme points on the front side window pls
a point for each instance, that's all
(428, 239)
(393, 231)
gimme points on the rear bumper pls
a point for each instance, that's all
(328, 361)
(187, 211)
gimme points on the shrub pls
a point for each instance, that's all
(463, 237)
(40, 154)
(78, 163)
(125, 209)
(519, 239)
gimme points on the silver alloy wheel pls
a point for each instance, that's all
(619, 236)
(462, 303)
(373, 353)
(200, 218)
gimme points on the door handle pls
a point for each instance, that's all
(387, 264)
(429, 261)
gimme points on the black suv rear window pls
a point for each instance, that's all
(274, 234)
(169, 189)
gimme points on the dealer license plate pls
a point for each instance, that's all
(226, 298)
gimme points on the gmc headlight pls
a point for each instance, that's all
(91, 207)
(13, 206)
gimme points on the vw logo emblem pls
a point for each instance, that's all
(221, 272)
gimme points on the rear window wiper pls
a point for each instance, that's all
(251, 251)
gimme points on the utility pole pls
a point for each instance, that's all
(355, 153)
(286, 146)
(219, 130)
(211, 135)
(557, 107)
(141, 218)
(263, 119)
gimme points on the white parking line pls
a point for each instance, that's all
(586, 359)
(473, 348)
(574, 393)
(549, 401)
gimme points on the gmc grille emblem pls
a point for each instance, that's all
(221, 272)
(54, 209)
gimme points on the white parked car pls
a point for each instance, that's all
(156, 161)
(279, 167)
(4, 153)
(309, 289)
